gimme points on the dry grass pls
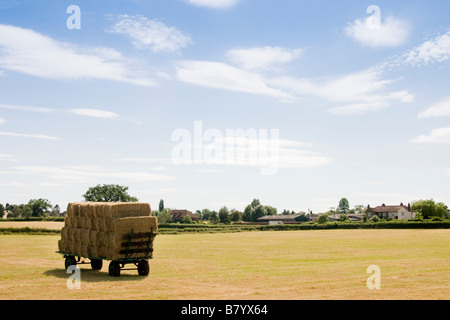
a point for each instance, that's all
(299, 265)
(52, 225)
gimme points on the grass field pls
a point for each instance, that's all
(292, 265)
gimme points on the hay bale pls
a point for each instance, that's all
(92, 251)
(100, 229)
(62, 245)
(85, 236)
(138, 228)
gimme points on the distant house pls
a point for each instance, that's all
(178, 215)
(282, 219)
(400, 212)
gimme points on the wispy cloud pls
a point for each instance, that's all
(26, 108)
(438, 136)
(7, 157)
(150, 34)
(31, 53)
(75, 174)
(94, 113)
(215, 4)
(357, 93)
(262, 58)
(24, 135)
(2, 121)
(436, 50)
(392, 32)
(260, 70)
(223, 76)
(439, 109)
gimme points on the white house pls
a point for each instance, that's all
(400, 212)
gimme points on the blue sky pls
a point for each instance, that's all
(356, 101)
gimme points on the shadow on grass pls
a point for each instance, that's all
(90, 275)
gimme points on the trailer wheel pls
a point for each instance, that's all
(96, 264)
(143, 268)
(114, 269)
(70, 261)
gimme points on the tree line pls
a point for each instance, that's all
(425, 209)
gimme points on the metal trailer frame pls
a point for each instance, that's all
(133, 255)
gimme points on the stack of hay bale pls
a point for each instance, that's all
(101, 229)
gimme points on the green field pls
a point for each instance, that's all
(292, 265)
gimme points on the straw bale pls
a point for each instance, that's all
(100, 229)
(65, 232)
(92, 251)
(85, 236)
(62, 245)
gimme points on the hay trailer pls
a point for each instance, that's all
(122, 233)
(136, 252)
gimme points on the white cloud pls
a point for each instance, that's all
(215, 4)
(439, 109)
(262, 58)
(263, 153)
(74, 174)
(26, 108)
(7, 157)
(82, 112)
(94, 113)
(2, 121)
(151, 34)
(23, 135)
(437, 136)
(223, 76)
(361, 91)
(390, 33)
(431, 51)
(358, 92)
(31, 53)
(373, 103)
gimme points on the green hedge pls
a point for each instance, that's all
(220, 228)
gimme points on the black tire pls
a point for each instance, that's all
(96, 264)
(114, 269)
(143, 268)
(70, 261)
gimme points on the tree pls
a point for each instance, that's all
(236, 215)
(161, 205)
(2, 211)
(38, 207)
(271, 211)
(323, 218)
(247, 215)
(258, 212)
(205, 214)
(164, 217)
(360, 209)
(56, 210)
(343, 206)
(224, 215)
(27, 212)
(255, 203)
(109, 193)
(214, 218)
(187, 219)
(429, 209)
